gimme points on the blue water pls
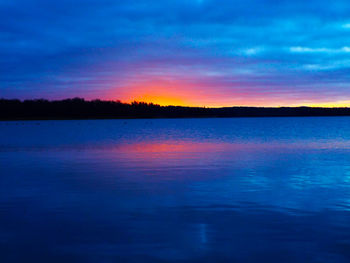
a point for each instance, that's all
(184, 190)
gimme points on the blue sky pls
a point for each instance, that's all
(193, 52)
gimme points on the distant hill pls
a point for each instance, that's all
(78, 108)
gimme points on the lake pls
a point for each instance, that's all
(175, 190)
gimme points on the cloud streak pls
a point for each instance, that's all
(256, 53)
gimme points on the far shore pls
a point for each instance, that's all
(75, 109)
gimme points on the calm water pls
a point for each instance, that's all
(187, 190)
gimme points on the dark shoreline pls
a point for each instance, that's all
(160, 118)
(80, 109)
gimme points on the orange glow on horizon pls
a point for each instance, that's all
(163, 100)
(162, 93)
(178, 93)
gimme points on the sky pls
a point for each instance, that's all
(178, 52)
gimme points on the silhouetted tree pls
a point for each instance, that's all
(78, 108)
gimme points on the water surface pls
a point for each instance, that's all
(183, 190)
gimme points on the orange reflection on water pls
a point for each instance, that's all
(173, 153)
(185, 160)
(179, 147)
(151, 148)
(158, 147)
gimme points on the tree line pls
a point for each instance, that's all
(78, 108)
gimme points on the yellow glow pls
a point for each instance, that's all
(160, 92)
(162, 100)
(336, 104)
(178, 93)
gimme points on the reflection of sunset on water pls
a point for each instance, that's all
(172, 146)
(158, 178)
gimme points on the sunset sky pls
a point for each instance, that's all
(179, 52)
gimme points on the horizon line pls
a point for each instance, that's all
(185, 106)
